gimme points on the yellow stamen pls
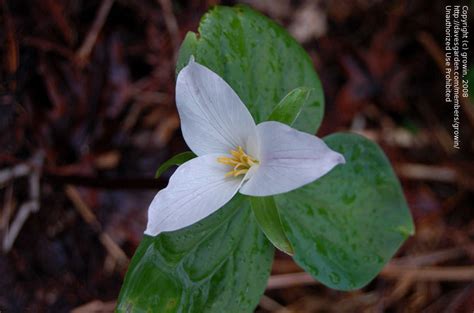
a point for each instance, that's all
(241, 172)
(240, 162)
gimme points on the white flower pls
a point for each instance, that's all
(233, 154)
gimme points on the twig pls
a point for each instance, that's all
(7, 210)
(107, 183)
(437, 54)
(433, 257)
(438, 131)
(20, 218)
(48, 46)
(171, 25)
(434, 173)
(95, 306)
(28, 207)
(400, 289)
(118, 256)
(86, 48)
(427, 172)
(349, 304)
(432, 48)
(11, 173)
(406, 281)
(290, 280)
(56, 10)
(271, 305)
(430, 273)
(391, 271)
(11, 57)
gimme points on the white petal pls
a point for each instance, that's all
(213, 118)
(197, 189)
(289, 159)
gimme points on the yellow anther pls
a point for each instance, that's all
(241, 172)
(236, 154)
(227, 161)
(239, 165)
(240, 161)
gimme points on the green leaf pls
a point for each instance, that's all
(346, 226)
(268, 218)
(220, 264)
(259, 59)
(291, 106)
(175, 160)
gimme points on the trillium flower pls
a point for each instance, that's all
(233, 154)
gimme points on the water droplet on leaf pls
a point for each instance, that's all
(335, 278)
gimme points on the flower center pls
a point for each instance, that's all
(240, 161)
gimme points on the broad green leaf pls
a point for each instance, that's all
(220, 264)
(345, 226)
(258, 58)
(291, 106)
(175, 160)
(268, 218)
